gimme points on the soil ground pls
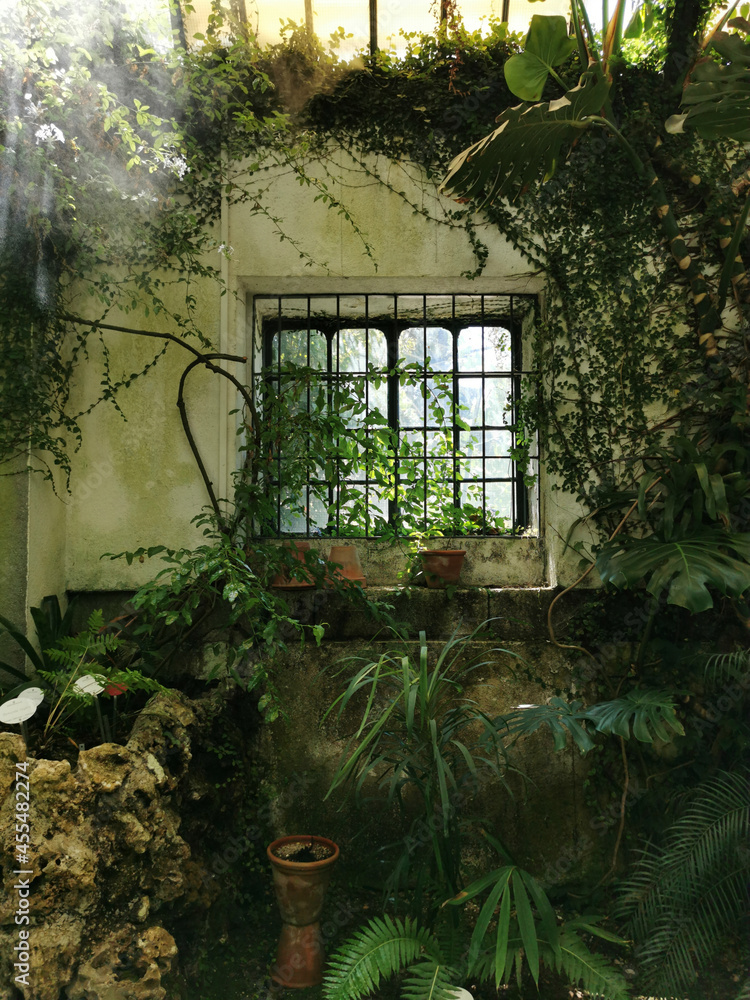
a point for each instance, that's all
(237, 951)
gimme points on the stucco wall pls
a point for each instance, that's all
(135, 483)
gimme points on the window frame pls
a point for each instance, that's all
(525, 499)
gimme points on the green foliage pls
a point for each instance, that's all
(418, 733)
(219, 596)
(51, 628)
(547, 45)
(685, 567)
(723, 667)
(683, 894)
(63, 667)
(528, 141)
(382, 949)
(311, 432)
(717, 96)
(390, 946)
(643, 713)
(688, 504)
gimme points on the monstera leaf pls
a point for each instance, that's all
(718, 95)
(526, 143)
(547, 45)
(560, 716)
(651, 714)
(685, 567)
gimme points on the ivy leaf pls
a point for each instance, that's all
(547, 44)
(684, 567)
(526, 143)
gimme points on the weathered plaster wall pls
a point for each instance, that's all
(14, 561)
(135, 483)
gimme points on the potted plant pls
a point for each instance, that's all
(301, 866)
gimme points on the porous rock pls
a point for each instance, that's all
(105, 856)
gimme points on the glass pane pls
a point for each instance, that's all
(439, 470)
(440, 349)
(470, 400)
(470, 443)
(412, 443)
(499, 501)
(359, 348)
(470, 349)
(318, 513)
(498, 442)
(377, 512)
(293, 519)
(377, 403)
(497, 353)
(410, 406)
(294, 348)
(498, 406)
(439, 402)
(411, 345)
(471, 468)
(439, 443)
(499, 468)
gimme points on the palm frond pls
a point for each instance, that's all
(379, 950)
(684, 895)
(723, 667)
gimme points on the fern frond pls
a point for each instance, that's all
(379, 950)
(683, 896)
(429, 980)
(592, 971)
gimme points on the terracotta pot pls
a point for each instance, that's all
(302, 582)
(442, 567)
(350, 568)
(300, 888)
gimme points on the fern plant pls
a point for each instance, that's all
(526, 933)
(683, 895)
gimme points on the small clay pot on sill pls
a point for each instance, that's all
(442, 567)
(349, 566)
(300, 889)
(299, 579)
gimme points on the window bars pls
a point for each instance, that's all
(428, 387)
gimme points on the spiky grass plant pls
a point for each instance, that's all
(684, 895)
(421, 739)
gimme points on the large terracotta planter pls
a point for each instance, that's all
(442, 567)
(297, 579)
(349, 568)
(300, 889)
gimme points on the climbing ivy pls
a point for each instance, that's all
(102, 134)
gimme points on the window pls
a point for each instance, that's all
(366, 24)
(427, 389)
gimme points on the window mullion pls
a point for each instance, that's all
(392, 384)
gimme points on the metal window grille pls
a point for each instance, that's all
(466, 350)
